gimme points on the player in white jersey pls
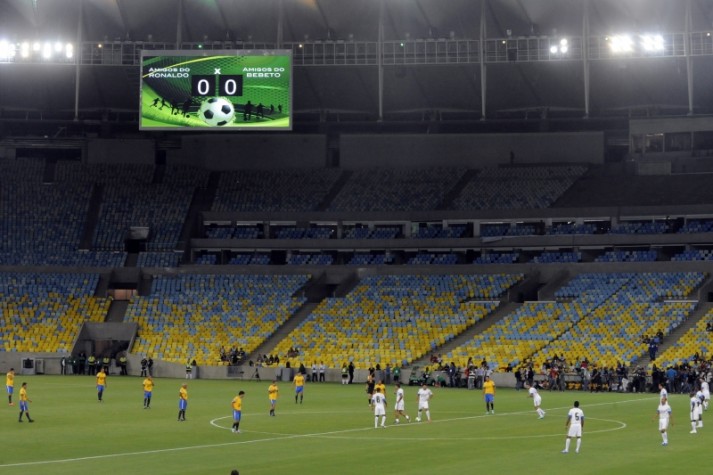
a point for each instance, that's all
(665, 417)
(400, 407)
(701, 398)
(663, 394)
(705, 389)
(536, 399)
(695, 407)
(574, 425)
(378, 402)
(424, 396)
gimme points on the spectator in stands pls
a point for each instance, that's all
(653, 348)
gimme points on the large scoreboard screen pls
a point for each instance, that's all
(216, 90)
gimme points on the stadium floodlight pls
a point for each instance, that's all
(47, 51)
(560, 48)
(36, 47)
(7, 50)
(621, 44)
(69, 50)
(652, 43)
(58, 47)
(25, 50)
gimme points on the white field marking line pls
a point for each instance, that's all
(282, 437)
(175, 449)
(621, 425)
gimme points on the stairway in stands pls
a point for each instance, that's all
(479, 327)
(334, 191)
(202, 201)
(677, 333)
(456, 190)
(90, 225)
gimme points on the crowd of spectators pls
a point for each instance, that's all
(236, 356)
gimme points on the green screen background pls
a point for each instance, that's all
(268, 91)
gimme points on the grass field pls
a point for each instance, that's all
(332, 432)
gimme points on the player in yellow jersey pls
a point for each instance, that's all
(24, 400)
(148, 392)
(489, 393)
(237, 405)
(182, 402)
(299, 382)
(10, 385)
(272, 396)
(101, 384)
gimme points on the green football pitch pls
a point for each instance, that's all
(333, 432)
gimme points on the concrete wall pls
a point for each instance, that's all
(118, 151)
(250, 151)
(473, 151)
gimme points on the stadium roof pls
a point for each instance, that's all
(421, 82)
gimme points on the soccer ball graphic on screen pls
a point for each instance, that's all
(216, 112)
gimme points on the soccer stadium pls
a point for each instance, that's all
(257, 215)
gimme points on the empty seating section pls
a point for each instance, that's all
(601, 317)
(695, 341)
(208, 258)
(42, 224)
(305, 233)
(493, 230)
(572, 228)
(433, 258)
(518, 335)
(394, 319)
(552, 257)
(497, 258)
(161, 208)
(44, 312)
(185, 176)
(129, 198)
(159, 259)
(232, 232)
(379, 189)
(697, 226)
(364, 258)
(517, 187)
(694, 255)
(77, 172)
(640, 227)
(612, 331)
(192, 316)
(257, 258)
(628, 256)
(311, 258)
(439, 232)
(274, 190)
